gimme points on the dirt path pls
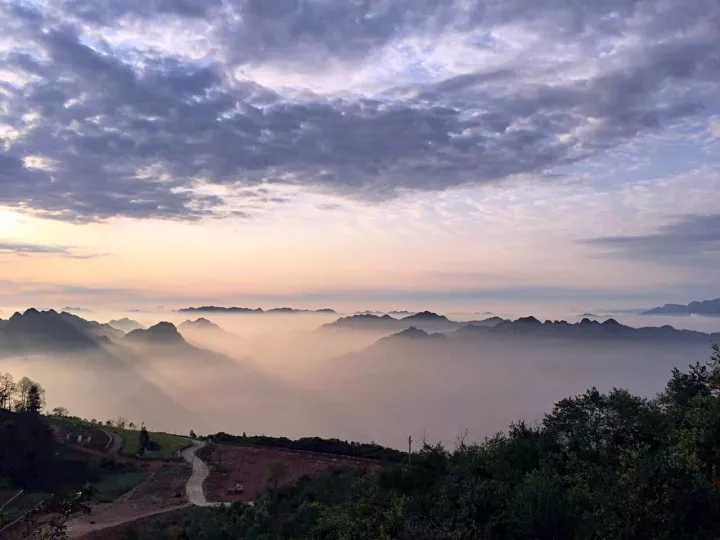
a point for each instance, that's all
(78, 529)
(194, 488)
(117, 443)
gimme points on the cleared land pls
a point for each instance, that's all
(250, 467)
(93, 437)
(163, 489)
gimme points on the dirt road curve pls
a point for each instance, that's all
(194, 488)
(117, 442)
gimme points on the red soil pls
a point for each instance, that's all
(248, 466)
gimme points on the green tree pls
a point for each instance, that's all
(59, 411)
(276, 472)
(27, 390)
(35, 400)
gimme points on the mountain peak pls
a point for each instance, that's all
(199, 324)
(163, 333)
(414, 333)
(427, 316)
(44, 331)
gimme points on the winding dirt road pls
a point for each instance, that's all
(194, 487)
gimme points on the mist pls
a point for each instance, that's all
(281, 375)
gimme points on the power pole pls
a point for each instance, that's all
(409, 448)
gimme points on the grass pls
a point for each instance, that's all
(98, 438)
(169, 444)
(110, 487)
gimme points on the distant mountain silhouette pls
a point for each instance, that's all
(705, 307)
(126, 325)
(199, 324)
(585, 329)
(3, 323)
(216, 309)
(425, 320)
(92, 328)
(414, 334)
(163, 333)
(35, 332)
(426, 316)
(366, 322)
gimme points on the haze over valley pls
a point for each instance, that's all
(359, 377)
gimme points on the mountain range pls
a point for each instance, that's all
(126, 325)
(425, 320)
(530, 327)
(705, 307)
(281, 310)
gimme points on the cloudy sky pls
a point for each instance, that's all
(359, 154)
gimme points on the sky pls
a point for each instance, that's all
(395, 154)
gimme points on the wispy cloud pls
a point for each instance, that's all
(26, 249)
(689, 240)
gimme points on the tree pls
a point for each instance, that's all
(59, 411)
(121, 422)
(144, 440)
(50, 521)
(26, 387)
(192, 434)
(276, 471)
(93, 421)
(7, 390)
(35, 400)
(109, 423)
(132, 426)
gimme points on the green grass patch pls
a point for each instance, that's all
(113, 486)
(168, 444)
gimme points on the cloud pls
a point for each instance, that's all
(365, 100)
(715, 126)
(693, 238)
(25, 249)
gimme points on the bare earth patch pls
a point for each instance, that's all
(162, 490)
(248, 466)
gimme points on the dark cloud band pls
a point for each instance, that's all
(127, 132)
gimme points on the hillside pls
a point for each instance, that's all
(43, 331)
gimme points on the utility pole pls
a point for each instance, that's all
(409, 448)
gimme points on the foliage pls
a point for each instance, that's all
(48, 520)
(26, 448)
(60, 411)
(599, 466)
(8, 388)
(162, 445)
(110, 487)
(316, 444)
(276, 472)
(24, 396)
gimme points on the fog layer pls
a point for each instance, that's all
(279, 375)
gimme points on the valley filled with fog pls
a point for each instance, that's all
(284, 375)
